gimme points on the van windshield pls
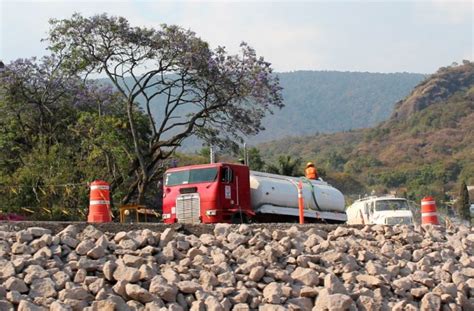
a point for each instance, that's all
(391, 205)
(191, 176)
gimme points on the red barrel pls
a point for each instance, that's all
(428, 211)
(99, 204)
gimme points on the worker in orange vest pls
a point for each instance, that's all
(310, 171)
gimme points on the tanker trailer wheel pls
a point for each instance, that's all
(237, 219)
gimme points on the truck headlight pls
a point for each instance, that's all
(211, 212)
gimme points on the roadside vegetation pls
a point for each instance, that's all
(60, 129)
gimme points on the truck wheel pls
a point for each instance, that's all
(237, 219)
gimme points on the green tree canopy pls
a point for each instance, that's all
(286, 166)
(462, 203)
(57, 133)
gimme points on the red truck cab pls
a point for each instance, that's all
(208, 193)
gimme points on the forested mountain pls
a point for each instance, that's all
(332, 101)
(326, 101)
(426, 149)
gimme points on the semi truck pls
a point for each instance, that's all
(383, 210)
(231, 193)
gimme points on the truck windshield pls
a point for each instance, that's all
(191, 176)
(391, 205)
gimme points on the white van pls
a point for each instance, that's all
(385, 210)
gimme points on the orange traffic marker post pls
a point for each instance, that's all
(301, 202)
(99, 204)
(428, 211)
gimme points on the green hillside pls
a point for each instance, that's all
(427, 151)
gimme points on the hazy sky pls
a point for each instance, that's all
(375, 36)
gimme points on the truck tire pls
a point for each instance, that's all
(238, 219)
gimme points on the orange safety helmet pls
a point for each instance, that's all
(309, 164)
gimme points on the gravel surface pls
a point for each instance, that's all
(114, 227)
(76, 266)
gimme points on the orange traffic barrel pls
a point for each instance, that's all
(99, 204)
(428, 211)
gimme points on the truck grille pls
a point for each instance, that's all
(188, 208)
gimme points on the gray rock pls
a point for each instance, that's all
(60, 278)
(445, 288)
(84, 247)
(58, 306)
(207, 239)
(91, 232)
(15, 284)
(430, 302)
(198, 305)
(404, 283)
(96, 252)
(38, 231)
(188, 287)
(212, 304)
(138, 293)
(257, 273)
(75, 293)
(334, 285)
(322, 301)
(26, 305)
(166, 236)
(366, 303)
(162, 289)
(6, 306)
(127, 274)
(170, 275)
(241, 307)
(44, 287)
(419, 292)
(222, 230)
(271, 307)
(369, 280)
(7, 270)
(133, 261)
(339, 302)
(272, 293)
(306, 276)
(236, 238)
(69, 241)
(468, 272)
(23, 236)
(20, 248)
(108, 270)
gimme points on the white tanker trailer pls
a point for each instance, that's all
(278, 195)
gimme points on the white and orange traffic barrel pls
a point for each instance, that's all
(428, 211)
(99, 204)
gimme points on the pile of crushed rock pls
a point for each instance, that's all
(238, 267)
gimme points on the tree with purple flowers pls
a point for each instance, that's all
(200, 91)
(58, 132)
